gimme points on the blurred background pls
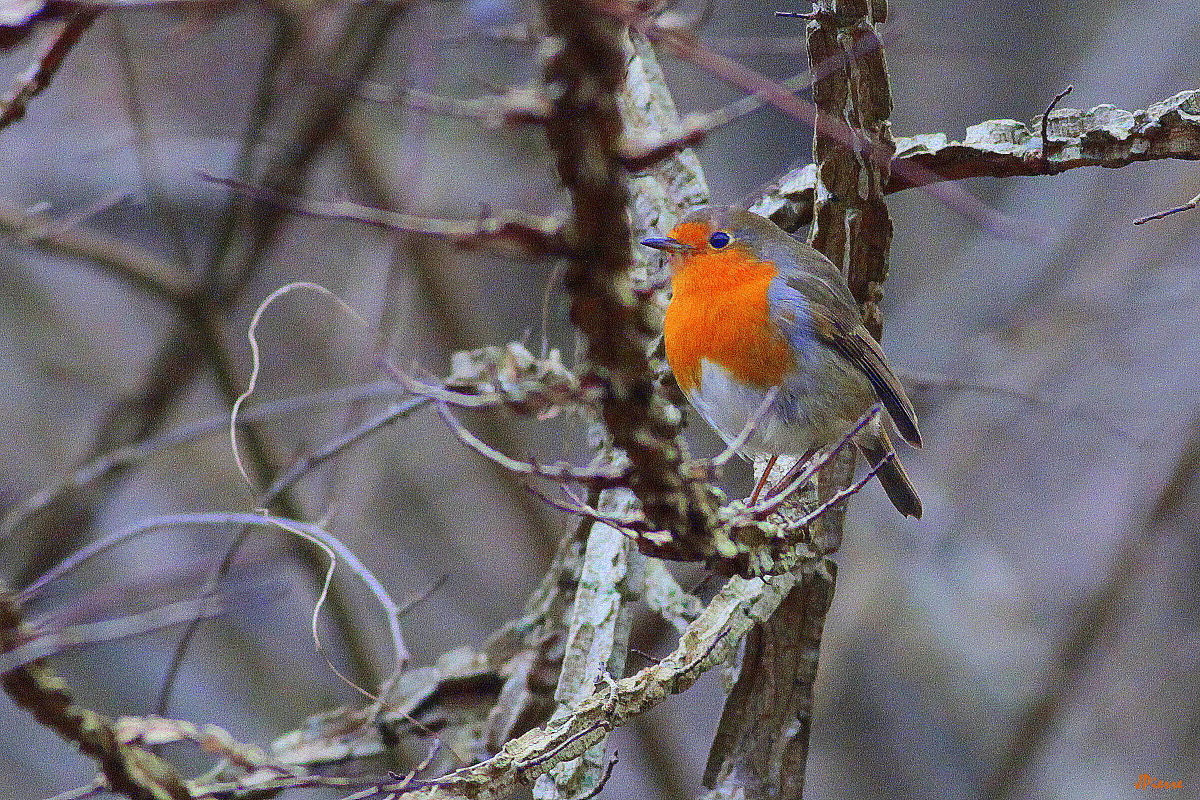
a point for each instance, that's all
(1036, 634)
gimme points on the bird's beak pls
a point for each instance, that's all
(668, 244)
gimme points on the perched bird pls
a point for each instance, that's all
(754, 308)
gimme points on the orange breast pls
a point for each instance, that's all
(719, 312)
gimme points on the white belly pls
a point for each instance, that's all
(813, 409)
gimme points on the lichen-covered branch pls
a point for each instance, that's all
(1100, 137)
(707, 642)
(36, 687)
(761, 748)
(1104, 136)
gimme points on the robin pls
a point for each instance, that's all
(753, 308)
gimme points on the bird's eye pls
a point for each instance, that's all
(719, 239)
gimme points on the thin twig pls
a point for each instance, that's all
(631, 524)
(36, 687)
(20, 513)
(844, 492)
(313, 532)
(1188, 206)
(599, 476)
(604, 776)
(640, 153)
(765, 508)
(1046, 117)
(748, 429)
(123, 259)
(83, 634)
(516, 105)
(506, 233)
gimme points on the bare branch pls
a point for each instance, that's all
(20, 513)
(599, 476)
(1046, 117)
(128, 261)
(619, 328)
(507, 233)
(156, 731)
(83, 634)
(749, 429)
(313, 532)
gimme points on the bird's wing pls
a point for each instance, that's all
(850, 338)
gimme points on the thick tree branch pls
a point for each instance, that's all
(761, 748)
(1101, 137)
(585, 71)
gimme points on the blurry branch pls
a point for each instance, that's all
(329, 544)
(925, 382)
(310, 461)
(127, 261)
(641, 149)
(507, 233)
(54, 641)
(248, 232)
(21, 512)
(157, 731)
(1102, 137)
(517, 105)
(694, 128)
(683, 42)
(531, 105)
(58, 41)
(147, 154)
(130, 770)
(522, 33)
(1099, 614)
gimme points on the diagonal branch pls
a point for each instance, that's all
(64, 35)
(130, 770)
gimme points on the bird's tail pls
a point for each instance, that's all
(891, 475)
